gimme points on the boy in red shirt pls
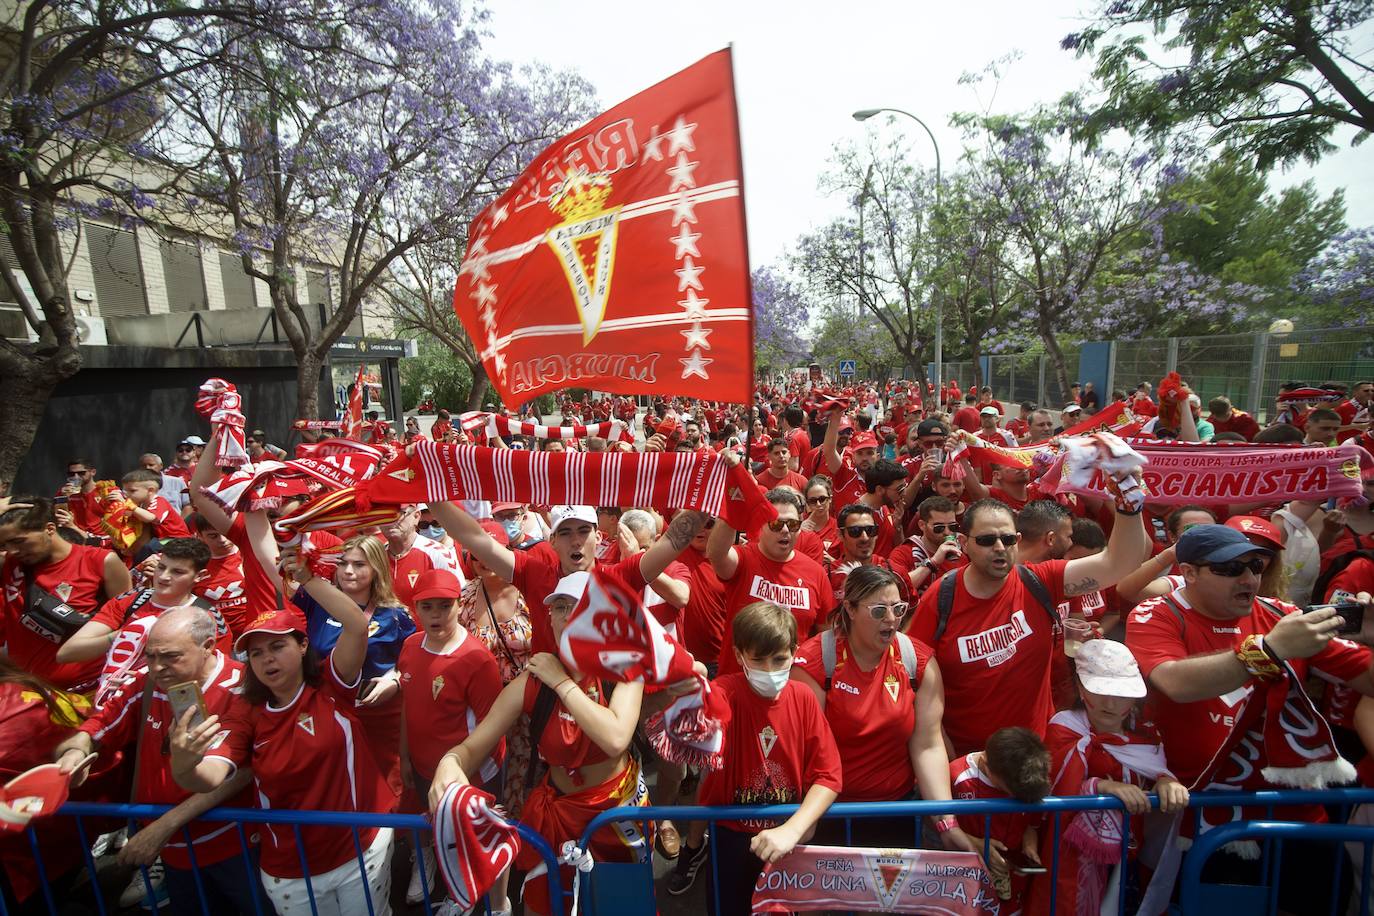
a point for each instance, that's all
(777, 750)
(1015, 764)
(141, 489)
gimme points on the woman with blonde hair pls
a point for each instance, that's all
(364, 575)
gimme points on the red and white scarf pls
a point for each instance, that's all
(220, 403)
(610, 635)
(474, 843)
(267, 484)
(499, 426)
(703, 481)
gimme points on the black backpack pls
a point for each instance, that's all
(945, 601)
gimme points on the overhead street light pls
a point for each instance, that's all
(863, 115)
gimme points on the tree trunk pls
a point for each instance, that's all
(308, 368)
(480, 384)
(1056, 355)
(976, 353)
(26, 383)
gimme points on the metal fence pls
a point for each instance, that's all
(1246, 368)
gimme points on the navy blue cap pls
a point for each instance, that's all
(1214, 544)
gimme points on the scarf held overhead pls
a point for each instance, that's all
(499, 426)
(437, 472)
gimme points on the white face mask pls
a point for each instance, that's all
(768, 684)
(512, 527)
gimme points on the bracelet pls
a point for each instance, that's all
(945, 823)
(1252, 654)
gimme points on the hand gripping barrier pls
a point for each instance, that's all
(418, 826)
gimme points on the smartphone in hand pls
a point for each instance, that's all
(187, 696)
(1021, 864)
(1352, 615)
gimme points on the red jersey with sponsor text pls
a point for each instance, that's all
(444, 696)
(115, 615)
(994, 655)
(799, 584)
(1193, 732)
(262, 593)
(774, 750)
(872, 715)
(77, 580)
(115, 725)
(226, 590)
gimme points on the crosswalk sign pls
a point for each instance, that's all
(848, 367)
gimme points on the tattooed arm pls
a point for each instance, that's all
(675, 539)
(1126, 549)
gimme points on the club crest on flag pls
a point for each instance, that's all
(585, 244)
(889, 869)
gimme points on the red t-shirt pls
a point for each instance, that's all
(1349, 582)
(444, 696)
(774, 750)
(167, 521)
(225, 588)
(115, 615)
(536, 575)
(262, 593)
(1003, 496)
(966, 418)
(703, 621)
(563, 742)
(994, 656)
(799, 584)
(1193, 732)
(848, 485)
(177, 470)
(425, 554)
(799, 444)
(312, 755)
(77, 580)
(997, 436)
(872, 715)
(1238, 422)
(671, 617)
(1018, 428)
(113, 726)
(790, 479)
(966, 780)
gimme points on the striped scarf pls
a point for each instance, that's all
(499, 426)
(220, 403)
(437, 472)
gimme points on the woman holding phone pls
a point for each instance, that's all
(308, 751)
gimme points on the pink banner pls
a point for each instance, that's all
(1178, 473)
(876, 880)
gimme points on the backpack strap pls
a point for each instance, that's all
(143, 598)
(1168, 602)
(944, 603)
(539, 718)
(828, 656)
(1037, 588)
(908, 657)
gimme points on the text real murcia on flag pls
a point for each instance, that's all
(618, 260)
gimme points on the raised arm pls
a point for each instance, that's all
(830, 447)
(203, 476)
(351, 649)
(1128, 545)
(674, 540)
(475, 539)
(1147, 580)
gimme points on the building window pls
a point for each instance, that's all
(238, 286)
(185, 279)
(118, 273)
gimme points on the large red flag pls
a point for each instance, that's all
(618, 260)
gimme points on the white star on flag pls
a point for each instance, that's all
(652, 146)
(682, 173)
(680, 137)
(695, 365)
(499, 215)
(696, 308)
(696, 337)
(683, 209)
(485, 294)
(686, 243)
(479, 270)
(688, 275)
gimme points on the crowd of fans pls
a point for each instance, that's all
(897, 632)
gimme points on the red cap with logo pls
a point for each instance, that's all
(1257, 529)
(863, 439)
(278, 622)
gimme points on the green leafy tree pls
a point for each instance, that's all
(1273, 80)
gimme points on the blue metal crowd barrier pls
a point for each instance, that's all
(418, 827)
(634, 878)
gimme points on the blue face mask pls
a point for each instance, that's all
(511, 527)
(435, 532)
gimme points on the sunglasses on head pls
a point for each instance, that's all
(861, 531)
(791, 524)
(898, 609)
(817, 500)
(987, 540)
(1233, 568)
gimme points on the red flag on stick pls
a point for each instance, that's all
(618, 260)
(353, 421)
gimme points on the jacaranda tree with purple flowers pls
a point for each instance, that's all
(780, 319)
(1336, 288)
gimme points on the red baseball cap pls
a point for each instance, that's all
(278, 622)
(863, 439)
(506, 507)
(436, 583)
(1257, 529)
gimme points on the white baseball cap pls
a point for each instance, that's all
(560, 514)
(1072, 408)
(572, 586)
(1108, 668)
(990, 411)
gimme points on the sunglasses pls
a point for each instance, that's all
(987, 540)
(898, 609)
(817, 500)
(1233, 568)
(791, 524)
(186, 448)
(861, 531)
(939, 528)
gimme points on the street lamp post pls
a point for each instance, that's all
(864, 115)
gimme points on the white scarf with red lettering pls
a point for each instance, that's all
(499, 426)
(220, 403)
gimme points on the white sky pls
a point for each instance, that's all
(802, 68)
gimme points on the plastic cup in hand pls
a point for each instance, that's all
(1076, 632)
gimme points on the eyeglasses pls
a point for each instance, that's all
(931, 443)
(987, 540)
(1231, 569)
(941, 528)
(898, 609)
(861, 531)
(791, 524)
(817, 500)
(186, 448)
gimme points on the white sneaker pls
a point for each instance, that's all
(449, 908)
(107, 844)
(136, 894)
(415, 893)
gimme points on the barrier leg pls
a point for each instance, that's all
(90, 867)
(305, 869)
(42, 872)
(362, 867)
(1365, 877)
(251, 870)
(417, 847)
(195, 873)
